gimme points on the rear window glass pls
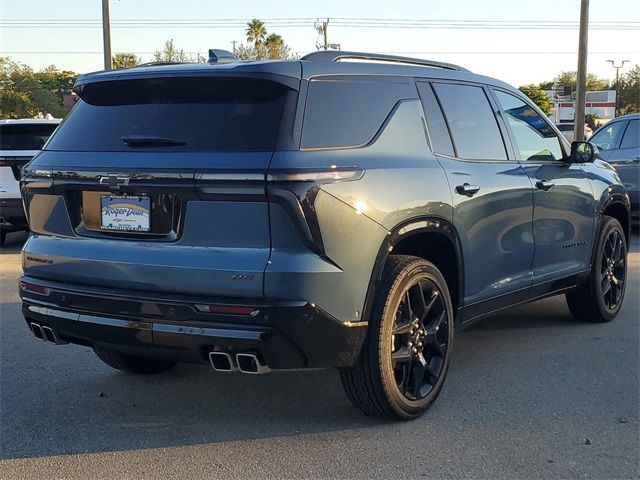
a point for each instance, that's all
(24, 136)
(472, 123)
(348, 112)
(194, 114)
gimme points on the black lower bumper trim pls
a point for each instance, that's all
(290, 335)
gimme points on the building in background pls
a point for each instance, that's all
(601, 104)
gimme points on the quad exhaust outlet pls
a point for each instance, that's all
(46, 333)
(242, 362)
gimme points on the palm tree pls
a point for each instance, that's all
(256, 31)
(274, 44)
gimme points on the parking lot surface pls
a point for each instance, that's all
(531, 394)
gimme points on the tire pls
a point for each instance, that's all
(600, 298)
(132, 363)
(3, 237)
(406, 353)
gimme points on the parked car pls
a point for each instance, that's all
(313, 213)
(619, 144)
(20, 140)
(567, 129)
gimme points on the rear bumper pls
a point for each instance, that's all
(284, 334)
(12, 215)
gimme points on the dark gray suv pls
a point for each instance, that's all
(278, 215)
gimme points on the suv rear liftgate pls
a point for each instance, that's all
(188, 157)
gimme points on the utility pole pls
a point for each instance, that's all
(106, 35)
(325, 27)
(233, 42)
(321, 28)
(617, 79)
(581, 83)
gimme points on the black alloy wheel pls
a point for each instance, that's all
(613, 270)
(419, 339)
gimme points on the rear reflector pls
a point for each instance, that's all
(33, 288)
(228, 309)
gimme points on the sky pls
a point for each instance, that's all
(541, 39)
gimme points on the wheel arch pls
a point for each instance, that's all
(432, 238)
(615, 203)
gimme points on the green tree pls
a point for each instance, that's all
(170, 53)
(629, 91)
(125, 60)
(274, 45)
(569, 79)
(25, 93)
(539, 97)
(256, 33)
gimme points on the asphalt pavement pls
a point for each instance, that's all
(531, 394)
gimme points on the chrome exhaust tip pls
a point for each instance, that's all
(37, 330)
(222, 362)
(249, 363)
(51, 337)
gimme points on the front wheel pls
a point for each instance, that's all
(600, 298)
(132, 363)
(405, 358)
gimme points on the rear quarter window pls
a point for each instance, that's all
(348, 111)
(25, 136)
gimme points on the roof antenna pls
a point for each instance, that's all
(221, 56)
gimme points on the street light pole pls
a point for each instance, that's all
(617, 79)
(106, 35)
(581, 83)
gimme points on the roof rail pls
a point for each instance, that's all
(160, 63)
(335, 55)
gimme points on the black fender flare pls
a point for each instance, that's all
(414, 226)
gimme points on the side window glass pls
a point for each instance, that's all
(440, 139)
(473, 125)
(607, 138)
(631, 137)
(348, 112)
(535, 139)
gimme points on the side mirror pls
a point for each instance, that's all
(582, 152)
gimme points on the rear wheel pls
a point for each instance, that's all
(3, 237)
(600, 298)
(132, 363)
(405, 358)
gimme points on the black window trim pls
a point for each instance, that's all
(561, 161)
(501, 127)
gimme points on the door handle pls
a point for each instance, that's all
(544, 184)
(467, 190)
(636, 160)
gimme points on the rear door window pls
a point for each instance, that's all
(471, 121)
(21, 136)
(187, 113)
(438, 132)
(631, 137)
(535, 138)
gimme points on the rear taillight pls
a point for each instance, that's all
(34, 288)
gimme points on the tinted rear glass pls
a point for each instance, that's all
(25, 137)
(435, 121)
(348, 112)
(203, 113)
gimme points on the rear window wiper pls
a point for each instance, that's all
(150, 141)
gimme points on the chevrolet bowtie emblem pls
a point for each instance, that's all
(115, 181)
